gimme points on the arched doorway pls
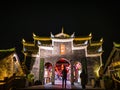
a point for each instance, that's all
(58, 70)
(77, 69)
(47, 73)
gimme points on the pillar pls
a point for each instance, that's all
(25, 57)
(41, 70)
(72, 76)
(53, 74)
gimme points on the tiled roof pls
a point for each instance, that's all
(31, 49)
(93, 49)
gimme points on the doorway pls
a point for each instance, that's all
(77, 69)
(47, 73)
(58, 70)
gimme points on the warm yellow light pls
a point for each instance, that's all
(116, 44)
(23, 40)
(34, 35)
(96, 44)
(28, 44)
(116, 63)
(96, 70)
(90, 34)
(101, 40)
(82, 38)
(62, 67)
(62, 49)
(42, 38)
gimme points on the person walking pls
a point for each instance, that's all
(64, 77)
(83, 77)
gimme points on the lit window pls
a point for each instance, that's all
(62, 49)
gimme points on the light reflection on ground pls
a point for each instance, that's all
(58, 84)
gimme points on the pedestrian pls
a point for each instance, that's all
(64, 77)
(83, 77)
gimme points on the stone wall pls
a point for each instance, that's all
(93, 64)
(79, 53)
(68, 47)
(35, 68)
(45, 53)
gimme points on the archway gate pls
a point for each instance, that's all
(56, 67)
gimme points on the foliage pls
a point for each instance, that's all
(41, 69)
(30, 77)
(106, 78)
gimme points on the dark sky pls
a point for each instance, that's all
(20, 19)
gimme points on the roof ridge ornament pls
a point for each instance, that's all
(116, 44)
(86, 42)
(101, 40)
(100, 49)
(51, 34)
(62, 34)
(90, 34)
(39, 43)
(62, 30)
(23, 40)
(73, 35)
(34, 34)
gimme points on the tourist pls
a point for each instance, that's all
(83, 78)
(64, 77)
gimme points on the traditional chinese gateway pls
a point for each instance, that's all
(46, 56)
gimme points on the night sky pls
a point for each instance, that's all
(20, 19)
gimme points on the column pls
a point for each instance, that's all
(25, 57)
(41, 70)
(53, 74)
(72, 76)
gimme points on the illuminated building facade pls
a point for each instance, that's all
(9, 64)
(112, 66)
(46, 56)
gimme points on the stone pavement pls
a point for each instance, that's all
(58, 85)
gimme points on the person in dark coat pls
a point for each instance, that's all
(64, 77)
(83, 77)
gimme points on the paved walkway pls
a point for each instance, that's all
(58, 85)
